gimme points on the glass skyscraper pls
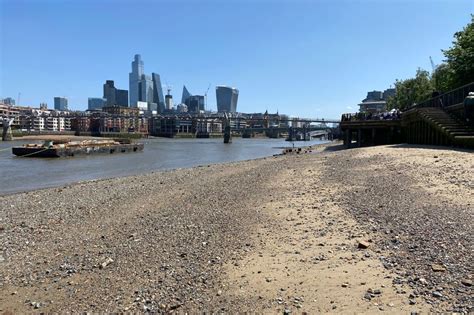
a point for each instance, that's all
(186, 95)
(96, 102)
(145, 88)
(158, 97)
(226, 99)
(114, 96)
(60, 103)
(134, 80)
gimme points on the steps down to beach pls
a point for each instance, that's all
(457, 131)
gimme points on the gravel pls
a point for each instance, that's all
(153, 243)
(429, 237)
(158, 242)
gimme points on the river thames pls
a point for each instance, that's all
(25, 174)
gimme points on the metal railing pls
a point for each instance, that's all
(452, 97)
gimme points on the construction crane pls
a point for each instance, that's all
(433, 69)
(205, 97)
(433, 66)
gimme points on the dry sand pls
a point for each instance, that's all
(278, 234)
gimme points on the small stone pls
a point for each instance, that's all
(363, 244)
(286, 312)
(268, 279)
(467, 282)
(219, 293)
(437, 294)
(107, 262)
(344, 285)
(438, 268)
(412, 302)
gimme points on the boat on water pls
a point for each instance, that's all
(67, 148)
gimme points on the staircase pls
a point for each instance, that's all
(445, 126)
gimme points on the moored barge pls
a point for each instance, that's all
(72, 148)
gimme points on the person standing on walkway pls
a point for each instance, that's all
(469, 108)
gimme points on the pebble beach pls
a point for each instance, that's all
(367, 230)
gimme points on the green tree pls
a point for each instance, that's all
(411, 91)
(460, 57)
(443, 78)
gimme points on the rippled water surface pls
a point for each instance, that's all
(21, 174)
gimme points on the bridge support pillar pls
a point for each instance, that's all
(359, 137)
(227, 135)
(348, 138)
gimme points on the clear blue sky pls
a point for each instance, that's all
(305, 58)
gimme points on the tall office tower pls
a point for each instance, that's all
(109, 93)
(121, 97)
(134, 80)
(60, 103)
(186, 95)
(114, 96)
(145, 89)
(158, 92)
(226, 99)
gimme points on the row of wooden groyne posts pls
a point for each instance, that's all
(446, 119)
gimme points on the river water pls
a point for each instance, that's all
(24, 174)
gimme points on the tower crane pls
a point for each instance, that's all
(433, 69)
(205, 97)
(433, 66)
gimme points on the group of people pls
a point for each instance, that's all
(394, 114)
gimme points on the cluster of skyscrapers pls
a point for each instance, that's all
(146, 93)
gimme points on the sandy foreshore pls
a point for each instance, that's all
(353, 231)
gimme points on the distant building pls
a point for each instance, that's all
(114, 96)
(96, 103)
(182, 108)
(145, 88)
(195, 103)
(185, 95)
(158, 98)
(169, 101)
(43, 106)
(134, 80)
(388, 93)
(8, 101)
(60, 103)
(121, 110)
(376, 101)
(121, 97)
(226, 99)
(374, 96)
(373, 106)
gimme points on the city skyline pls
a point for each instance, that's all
(319, 60)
